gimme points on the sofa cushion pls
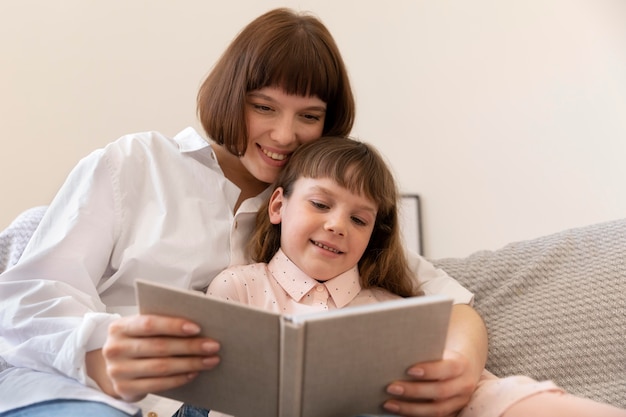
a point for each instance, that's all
(555, 308)
(14, 238)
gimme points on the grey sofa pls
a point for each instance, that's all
(555, 306)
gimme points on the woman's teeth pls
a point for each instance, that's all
(275, 156)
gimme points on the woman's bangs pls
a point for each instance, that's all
(298, 69)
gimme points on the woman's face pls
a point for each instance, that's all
(277, 124)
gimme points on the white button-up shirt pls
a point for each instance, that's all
(145, 206)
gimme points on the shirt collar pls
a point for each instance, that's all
(191, 143)
(189, 140)
(343, 288)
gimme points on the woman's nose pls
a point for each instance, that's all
(284, 131)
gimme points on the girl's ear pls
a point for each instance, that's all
(275, 206)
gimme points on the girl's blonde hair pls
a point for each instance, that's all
(359, 168)
(281, 48)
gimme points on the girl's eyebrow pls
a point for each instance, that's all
(323, 190)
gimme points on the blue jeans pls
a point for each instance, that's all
(67, 408)
(189, 411)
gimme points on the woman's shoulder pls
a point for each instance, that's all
(142, 142)
(157, 149)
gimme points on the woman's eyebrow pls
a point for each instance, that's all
(256, 94)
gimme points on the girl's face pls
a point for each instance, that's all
(277, 124)
(325, 228)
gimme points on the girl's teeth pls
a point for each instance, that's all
(326, 247)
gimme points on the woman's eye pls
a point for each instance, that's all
(312, 117)
(262, 107)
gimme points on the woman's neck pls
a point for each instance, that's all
(237, 173)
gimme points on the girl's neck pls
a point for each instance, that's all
(236, 173)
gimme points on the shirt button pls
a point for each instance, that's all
(152, 414)
(319, 288)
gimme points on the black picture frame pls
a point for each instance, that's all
(410, 219)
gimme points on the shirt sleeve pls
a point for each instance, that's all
(433, 280)
(52, 313)
(228, 285)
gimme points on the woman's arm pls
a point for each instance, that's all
(442, 388)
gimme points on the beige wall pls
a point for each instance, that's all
(507, 117)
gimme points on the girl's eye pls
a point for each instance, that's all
(358, 221)
(319, 205)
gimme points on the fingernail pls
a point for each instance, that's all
(191, 328)
(417, 372)
(210, 347)
(391, 406)
(395, 389)
(211, 362)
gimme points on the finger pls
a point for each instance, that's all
(448, 407)
(451, 366)
(160, 367)
(430, 390)
(152, 325)
(149, 347)
(136, 389)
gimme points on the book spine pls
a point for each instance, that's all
(291, 368)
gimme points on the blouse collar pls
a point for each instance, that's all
(342, 288)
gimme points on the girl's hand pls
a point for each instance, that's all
(147, 353)
(438, 388)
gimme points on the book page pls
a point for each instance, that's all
(350, 359)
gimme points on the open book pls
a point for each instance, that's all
(327, 364)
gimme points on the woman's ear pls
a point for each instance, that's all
(275, 206)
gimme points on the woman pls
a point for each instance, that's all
(178, 211)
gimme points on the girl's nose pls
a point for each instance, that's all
(335, 224)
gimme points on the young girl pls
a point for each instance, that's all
(328, 238)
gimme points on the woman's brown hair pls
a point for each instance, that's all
(281, 48)
(359, 168)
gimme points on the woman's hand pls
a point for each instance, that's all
(438, 388)
(147, 353)
(444, 387)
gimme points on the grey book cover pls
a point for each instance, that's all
(327, 364)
